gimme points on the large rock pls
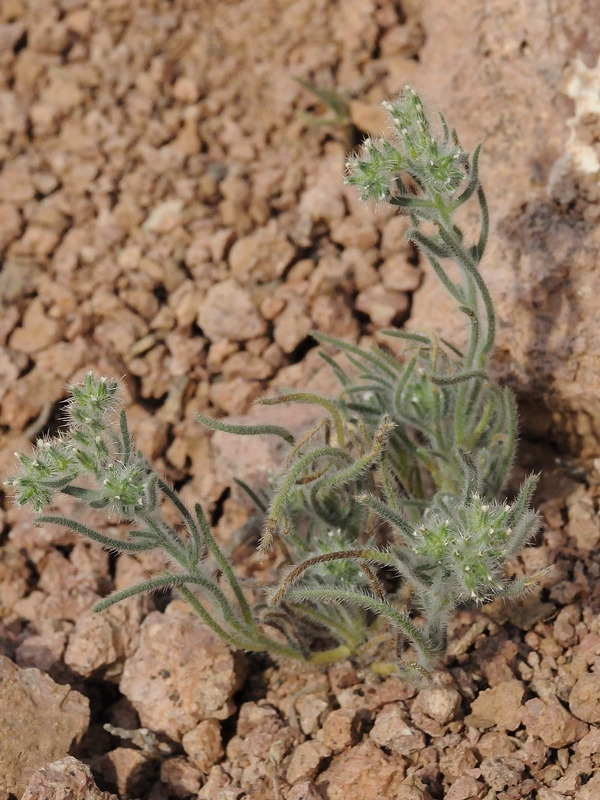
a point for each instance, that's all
(519, 77)
(39, 721)
(181, 674)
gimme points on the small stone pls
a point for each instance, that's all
(584, 700)
(399, 274)
(340, 729)
(383, 306)
(412, 789)
(149, 433)
(44, 651)
(37, 331)
(392, 731)
(465, 788)
(457, 761)
(15, 182)
(495, 744)
(393, 237)
(292, 326)
(165, 217)
(182, 778)
(534, 754)
(353, 232)
(500, 706)
(130, 772)
(10, 225)
(91, 644)
(272, 306)
(306, 760)
(185, 90)
(203, 745)
(547, 719)
(311, 709)
(234, 396)
(332, 315)
(434, 708)
(228, 313)
(219, 786)
(370, 118)
(262, 256)
(590, 744)
(584, 525)
(496, 657)
(67, 779)
(362, 772)
(253, 458)
(247, 366)
(501, 772)
(564, 626)
(304, 791)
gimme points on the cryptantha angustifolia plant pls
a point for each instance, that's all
(388, 509)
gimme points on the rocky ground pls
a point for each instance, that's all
(168, 213)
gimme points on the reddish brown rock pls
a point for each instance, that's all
(37, 331)
(584, 700)
(45, 652)
(228, 313)
(293, 325)
(127, 770)
(165, 217)
(203, 745)
(465, 788)
(181, 778)
(363, 771)
(311, 709)
(500, 772)
(14, 577)
(540, 254)
(340, 729)
(383, 306)
(10, 225)
(500, 706)
(219, 786)
(27, 397)
(457, 761)
(583, 527)
(181, 673)
(44, 719)
(304, 791)
(369, 117)
(551, 722)
(234, 396)
(434, 708)
(261, 257)
(306, 761)
(591, 789)
(392, 731)
(67, 779)
(332, 315)
(399, 274)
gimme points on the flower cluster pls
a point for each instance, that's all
(438, 165)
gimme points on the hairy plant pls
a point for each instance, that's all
(389, 508)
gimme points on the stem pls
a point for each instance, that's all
(307, 397)
(226, 567)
